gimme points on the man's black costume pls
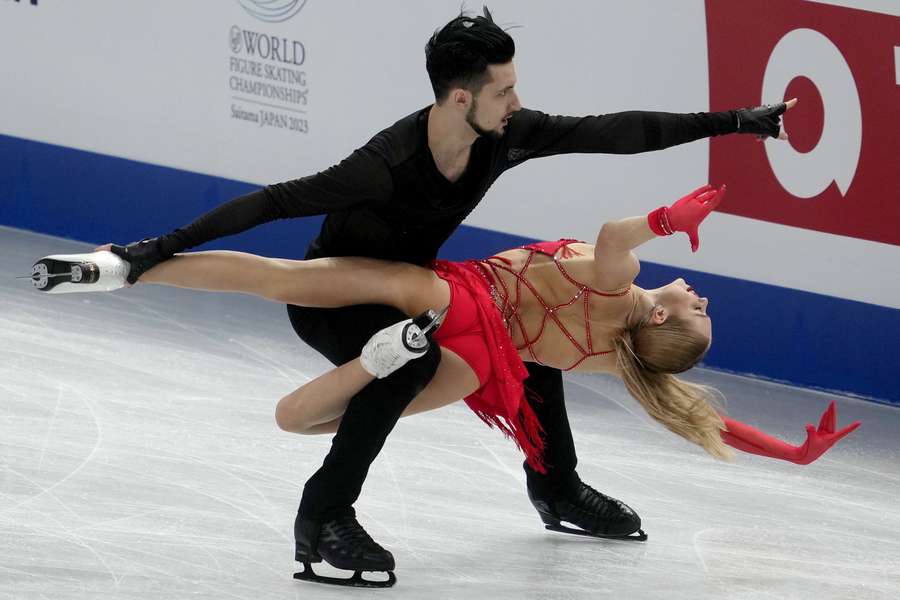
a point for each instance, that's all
(388, 200)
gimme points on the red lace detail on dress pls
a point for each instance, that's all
(510, 310)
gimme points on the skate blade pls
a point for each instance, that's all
(307, 574)
(428, 320)
(637, 536)
(90, 272)
(436, 319)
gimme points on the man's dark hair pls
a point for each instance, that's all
(458, 54)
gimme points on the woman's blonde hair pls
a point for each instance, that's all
(647, 356)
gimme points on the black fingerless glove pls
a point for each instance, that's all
(144, 255)
(764, 121)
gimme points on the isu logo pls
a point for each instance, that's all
(272, 11)
(840, 171)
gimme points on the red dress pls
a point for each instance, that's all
(477, 328)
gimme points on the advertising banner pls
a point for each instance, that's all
(840, 171)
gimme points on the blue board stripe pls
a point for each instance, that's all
(768, 331)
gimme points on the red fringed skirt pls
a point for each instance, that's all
(474, 329)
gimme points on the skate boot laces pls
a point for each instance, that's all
(346, 545)
(600, 504)
(348, 530)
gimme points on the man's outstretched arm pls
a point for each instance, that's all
(538, 134)
(362, 178)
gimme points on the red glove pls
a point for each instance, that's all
(818, 441)
(686, 214)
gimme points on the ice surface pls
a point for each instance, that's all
(139, 458)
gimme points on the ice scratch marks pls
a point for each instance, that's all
(50, 427)
(268, 361)
(398, 491)
(58, 530)
(98, 440)
(229, 474)
(696, 537)
(502, 466)
(629, 406)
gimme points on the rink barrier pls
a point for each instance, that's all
(771, 332)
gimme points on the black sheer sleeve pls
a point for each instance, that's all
(360, 179)
(534, 134)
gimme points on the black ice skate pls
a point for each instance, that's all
(594, 514)
(92, 272)
(344, 544)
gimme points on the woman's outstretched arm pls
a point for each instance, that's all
(617, 266)
(615, 263)
(818, 439)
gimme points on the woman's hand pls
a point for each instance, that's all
(818, 440)
(687, 213)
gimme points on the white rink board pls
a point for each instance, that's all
(150, 81)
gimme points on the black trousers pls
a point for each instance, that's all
(339, 335)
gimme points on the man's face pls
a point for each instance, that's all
(495, 103)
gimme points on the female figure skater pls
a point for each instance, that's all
(565, 304)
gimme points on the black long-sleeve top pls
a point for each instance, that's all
(388, 200)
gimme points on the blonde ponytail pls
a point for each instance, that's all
(683, 408)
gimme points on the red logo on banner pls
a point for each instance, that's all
(840, 170)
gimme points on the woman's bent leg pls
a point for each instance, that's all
(323, 399)
(317, 407)
(318, 283)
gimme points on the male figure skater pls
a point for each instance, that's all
(399, 197)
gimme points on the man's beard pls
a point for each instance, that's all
(470, 119)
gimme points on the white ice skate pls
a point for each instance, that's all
(91, 272)
(394, 346)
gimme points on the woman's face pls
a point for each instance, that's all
(680, 300)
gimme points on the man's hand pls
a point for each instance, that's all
(764, 121)
(108, 248)
(142, 256)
